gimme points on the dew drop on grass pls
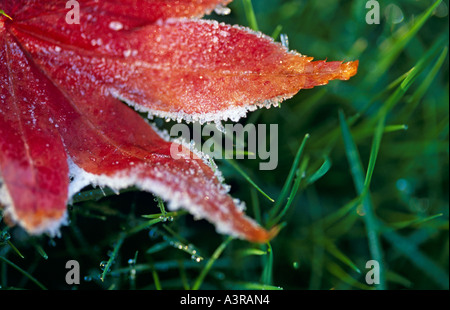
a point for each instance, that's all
(442, 10)
(87, 278)
(4, 236)
(103, 265)
(394, 14)
(402, 185)
(196, 258)
(360, 210)
(152, 233)
(132, 274)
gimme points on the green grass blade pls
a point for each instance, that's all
(26, 274)
(98, 193)
(414, 222)
(340, 213)
(356, 168)
(158, 247)
(40, 250)
(183, 276)
(420, 92)
(276, 32)
(289, 181)
(374, 154)
(144, 225)
(393, 128)
(266, 277)
(396, 278)
(389, 104)
(15, 249)
(323, 169)
(255, 205)
(318, 233)
(298, 179)
(156, 279)
(422, 89)
(334, 250)
(250, 286)
(4, 14)
(357, 173)
(344, 277)
(250, 252)
(420, 260)
(112, 257)
(198, 282)
(392, 51)
(233, 164)
(250, 13)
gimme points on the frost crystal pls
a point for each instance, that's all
(116, 26)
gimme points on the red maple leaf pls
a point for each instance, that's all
(63, 124)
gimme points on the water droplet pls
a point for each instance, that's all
(196, 258)
(403, 185)
(103, 265)
(360, 210)
(394, 14)
(163, 218)
(4, 236)
(441, 10)
(220, 275)
(132, 274)
(153, 233)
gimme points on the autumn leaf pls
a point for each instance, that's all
(64, 124)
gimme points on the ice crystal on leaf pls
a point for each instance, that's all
(62, 117)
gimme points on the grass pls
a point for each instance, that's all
(362, 175)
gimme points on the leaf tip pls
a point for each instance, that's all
(349, 69)
(265, 236)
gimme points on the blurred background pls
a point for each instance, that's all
(371, 182)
